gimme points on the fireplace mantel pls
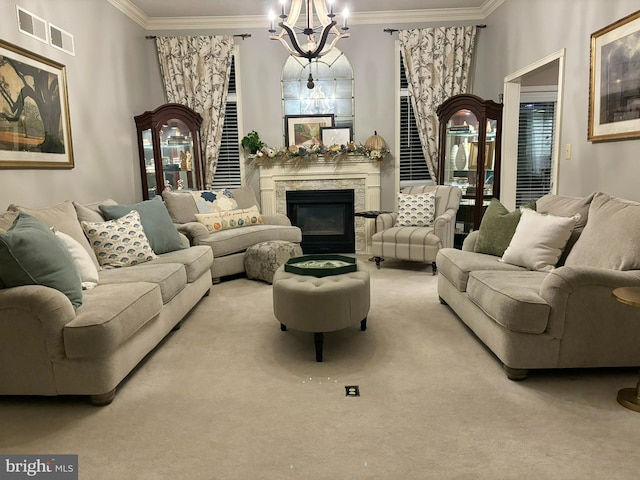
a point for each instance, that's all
(358, 173)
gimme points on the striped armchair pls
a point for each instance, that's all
(418, 243)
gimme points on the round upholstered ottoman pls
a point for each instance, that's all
(321, 304)
(263, 259)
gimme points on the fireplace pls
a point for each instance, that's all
(326, 218)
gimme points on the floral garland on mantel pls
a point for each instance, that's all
(298, 155)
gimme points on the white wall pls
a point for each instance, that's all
(107, 81)
(519, 33)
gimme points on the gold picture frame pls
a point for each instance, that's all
(614, 108)
(489, 155)
(35, 130)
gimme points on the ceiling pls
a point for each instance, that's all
(171, 14)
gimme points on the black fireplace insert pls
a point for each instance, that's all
(326, 218)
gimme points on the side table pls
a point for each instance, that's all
(371, 227)
(629, 397)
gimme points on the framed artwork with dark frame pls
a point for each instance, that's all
(614, 81)
(35, 130)
(335, 135)
(305, 130)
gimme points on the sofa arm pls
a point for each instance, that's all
(583, 294)
(444, 227)
(386, 220)
(33, 317)
(194, 231)
(276, 219)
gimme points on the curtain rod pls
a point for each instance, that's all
(391, 31)
(243, 35)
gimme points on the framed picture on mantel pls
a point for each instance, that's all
(614, 104)
(305, 130)
(35, 131)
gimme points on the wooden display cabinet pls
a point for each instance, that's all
(169, 149)
(470, 153)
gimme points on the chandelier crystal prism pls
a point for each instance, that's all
(311, 47)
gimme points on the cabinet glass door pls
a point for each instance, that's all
(150, 167)
(176, 145)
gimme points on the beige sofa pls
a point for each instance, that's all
(228, 246)
(562, 318)
(48, 347)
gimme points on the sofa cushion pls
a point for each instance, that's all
(409, 243)
(63, 218)
(539, 240)
(245, 197)
(237, 240)
(121, 242)
(511, 299)
(111, 314)
(7, 218)
(31, 254)
(416, 210)
(497, 228)
(232, 219)
(455, 265)
(158, 227)
(610, 239)
(170, 277)
(180, 205)
(91, 211)
(197, 260)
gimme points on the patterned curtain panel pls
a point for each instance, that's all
(195, 71)
(437, 63)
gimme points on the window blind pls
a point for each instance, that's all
(228, 174)
(535, 149)
(413, 166)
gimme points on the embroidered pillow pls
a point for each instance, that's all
(121, 242)
(416, 210)
(212, 201)
(232, 219)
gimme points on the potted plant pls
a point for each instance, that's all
(252, 143)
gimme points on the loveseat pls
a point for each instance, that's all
(61, 339)
(558, 315)
(228, 244)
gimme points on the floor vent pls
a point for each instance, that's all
(352, 390)
(61, 39)
(32, 25)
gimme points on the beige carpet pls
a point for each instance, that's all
(230, 396)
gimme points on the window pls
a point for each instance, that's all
(413, 167)
(535, 149)
(229, 172)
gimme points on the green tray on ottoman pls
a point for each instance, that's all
(321, 265)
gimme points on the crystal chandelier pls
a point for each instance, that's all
(312, 48)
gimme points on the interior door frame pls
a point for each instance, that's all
(510, 118)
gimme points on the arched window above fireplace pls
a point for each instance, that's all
(333, 87)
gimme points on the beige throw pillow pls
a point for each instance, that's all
(539, 240)
(233, 219)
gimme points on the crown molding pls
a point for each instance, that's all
(131, 11)
(259, 21)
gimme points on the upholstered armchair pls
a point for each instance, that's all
(424, 223)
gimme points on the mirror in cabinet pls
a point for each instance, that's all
(169, 148)
(469, 154)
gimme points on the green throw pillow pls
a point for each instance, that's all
(156, 222)
(30, 254)
(497, 227)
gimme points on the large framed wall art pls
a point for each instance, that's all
(35, 131)
(614, 104)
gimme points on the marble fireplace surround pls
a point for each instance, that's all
(358, 173)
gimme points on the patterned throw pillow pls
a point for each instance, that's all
(416, 210)
(232, 219)
(212, 201)
(119, 243)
